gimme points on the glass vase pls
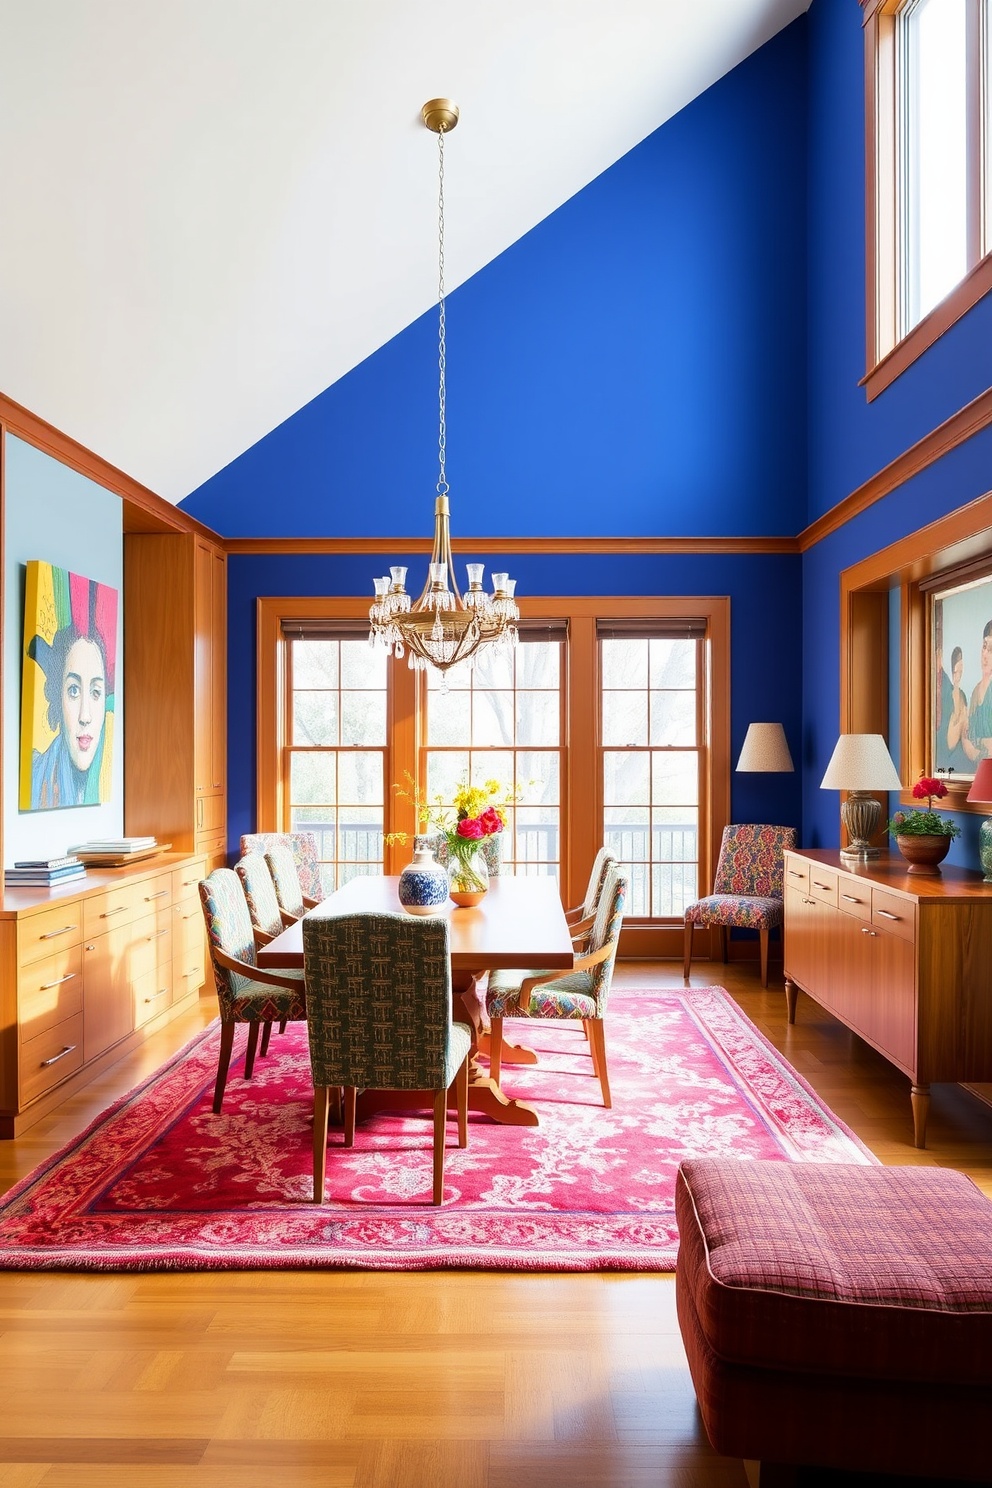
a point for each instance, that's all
(468, 876)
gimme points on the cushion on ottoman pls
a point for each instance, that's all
(836, 1268)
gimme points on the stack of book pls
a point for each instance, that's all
(43, 873)
(115, 845)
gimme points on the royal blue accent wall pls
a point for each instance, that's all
(766, 654)
(632, 366)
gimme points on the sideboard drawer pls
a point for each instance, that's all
(49, 991)
(50, 1057)
(152, 994)
(185, 881)
(118, 906)
(890, 912)
(854, 897)
(797, 873)
(156, 893)
(43, 934)
(823, 885)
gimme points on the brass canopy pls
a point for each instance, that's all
(440, 115)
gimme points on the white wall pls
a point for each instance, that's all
(62, 518)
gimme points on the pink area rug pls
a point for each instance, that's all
(159, 1183)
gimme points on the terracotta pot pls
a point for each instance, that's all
(924, 854)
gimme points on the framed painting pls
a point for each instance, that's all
(960, 682)
(67, 689)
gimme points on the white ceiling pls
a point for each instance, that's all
(213, 209)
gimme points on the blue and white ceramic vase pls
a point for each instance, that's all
(423, 887)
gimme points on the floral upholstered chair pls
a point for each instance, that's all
(286, 878)
(303, 846)
(582, 918)
(267, 918)
(379, 1000)
(582, 992)
(245, 992)
(747, 891)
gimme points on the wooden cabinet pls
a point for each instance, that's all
(901, 959)
(175, 618)
(83, 977)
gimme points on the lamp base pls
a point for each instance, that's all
(861, 814)
(856, 853)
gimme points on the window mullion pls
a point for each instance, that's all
(975, 106)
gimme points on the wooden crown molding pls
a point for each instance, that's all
(342, 546)
(144, 510)
(959, 428)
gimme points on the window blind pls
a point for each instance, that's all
(676, 628)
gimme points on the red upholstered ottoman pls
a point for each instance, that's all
(839, 1316)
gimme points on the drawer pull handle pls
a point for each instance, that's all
(187, 882)
(809, 901)
(794, 873)
(158, 934)
(886, 915)
(64, 931)
(47, 986)
(216, 785)
(56, 1057)
(156, 995)
(851, 898)
(195, 972)
(160, 895)
(866, 931)
(193, 914)
(89, 948)
(108, 912)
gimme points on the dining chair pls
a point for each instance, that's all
(286, 879)
(303, 846)
(245, 992)
(747, 888)
(582, 917)
(267, 919)
(582, 993)
(379, 1018)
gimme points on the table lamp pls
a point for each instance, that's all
(765, 750)
(860, 763)
(981, 790)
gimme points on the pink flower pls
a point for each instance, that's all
(470, 827)
(490, 822)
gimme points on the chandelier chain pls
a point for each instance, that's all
(442, 484)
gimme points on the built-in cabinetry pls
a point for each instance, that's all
(903, 960)
(87, 970)
(175, 627)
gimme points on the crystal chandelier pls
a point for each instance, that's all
(444, 627)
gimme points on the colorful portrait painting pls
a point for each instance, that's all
(961, 677)
(67, 694)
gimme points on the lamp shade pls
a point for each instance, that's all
(765, 749)
(861, 762)
(981, 786)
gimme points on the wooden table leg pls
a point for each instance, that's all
(920, 1098)
(511, 1054)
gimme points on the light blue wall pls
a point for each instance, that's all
(62, 518)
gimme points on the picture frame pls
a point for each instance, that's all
(959, 675)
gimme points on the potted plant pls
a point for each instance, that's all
(477, 816)
(923, 837)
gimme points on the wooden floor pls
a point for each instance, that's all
(356, 1380)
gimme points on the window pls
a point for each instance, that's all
(337, 697)
(653, 763)
(929, 228)
(502, 721)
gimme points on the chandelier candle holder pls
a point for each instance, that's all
(443, 628)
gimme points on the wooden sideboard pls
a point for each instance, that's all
(87, 971)
(903, 960)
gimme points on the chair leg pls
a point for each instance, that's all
(495, 1049)
(350, 1097)
(598, 1029)
(282, 1024)
(320, 1104)
(266, 1035)
(587, 1025)
(250, 1052)
(335, 1109)
(763, 937)
(724, 942)
(440, 1116)
(461, 1093)
(223, 1064)
(687, 958)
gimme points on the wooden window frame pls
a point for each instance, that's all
(887, 355)
(581, 787)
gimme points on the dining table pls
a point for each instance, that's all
(520, 923)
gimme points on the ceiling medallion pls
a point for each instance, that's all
(443, 628)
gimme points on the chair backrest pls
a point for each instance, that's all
(606, 929)
(492, 851)
(303, 846)
(228, 929)
(286, 878)
(597, 879)
(378, 1000)
(752, 861)
(260, 893)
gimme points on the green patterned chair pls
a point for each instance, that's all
(286, 879)
(379, 1017)
(245, 992)
(581, 993)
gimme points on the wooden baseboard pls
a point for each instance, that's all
(13, 1125)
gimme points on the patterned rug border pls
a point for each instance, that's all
(531, 1256)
